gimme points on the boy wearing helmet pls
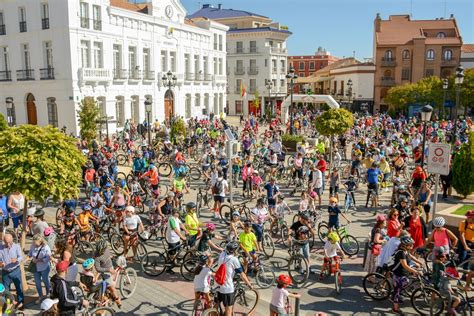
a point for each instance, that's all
(334, 212)
(192, 224)
(279, 296)
(331, 248)
(89, 279)
(248, 244)
(84, 219)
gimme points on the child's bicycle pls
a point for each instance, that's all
(348, 202)
(333, 266)
(349, 244)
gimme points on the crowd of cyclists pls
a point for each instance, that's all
(121, 215)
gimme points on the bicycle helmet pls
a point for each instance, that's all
(333, 237)
(203, 259)
(407, 240)
(333, 199)
(101, 246)
(284, 279)
(191, 206)
(2, 288)
(439, 222)
(231, 247)
(95, 190)
(170, 195)
(88, 264)
(304, 215)
(123, 183)
(47, 304)
(130, 209)
(235, 214)
(48, 231)
(210, 226)
(86, 207)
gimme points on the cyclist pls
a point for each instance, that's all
(153, 177)
(103, 265)
(278, 303)
(331, 248)
(272, 192)
(235, 223)
(139, 164)
(259, 215)
(205, 242)
(83, 221)
(180, 187)
(373, 182)
(302, 231)
(132, 225)
(165, 207)
(202, 278)
(334, 212)
(192, 224)
(174, 236)
(89, 280)
(248, 245)
(219, 189)
(279, 212)
(351, 186)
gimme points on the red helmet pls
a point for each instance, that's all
(284, 279)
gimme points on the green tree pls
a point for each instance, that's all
(467, 89)
(398, 97)
(178, 130)
(256, 100)
(463, 168)
(3, 123)
(88, 114)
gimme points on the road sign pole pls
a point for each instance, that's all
(435, 200)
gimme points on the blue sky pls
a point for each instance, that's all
(344, 26)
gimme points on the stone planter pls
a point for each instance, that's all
(290, 145)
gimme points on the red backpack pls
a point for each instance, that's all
(221, 273)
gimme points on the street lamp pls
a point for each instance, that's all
(9, 103)
(425, 114)
(292, 76)
(269, 86)
(445, 90)
(458, 80)
(148, 109)
(349, 90)
(169, 80)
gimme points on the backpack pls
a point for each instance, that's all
(217, 188)
(221, 273)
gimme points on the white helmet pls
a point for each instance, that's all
(439, 222)
(47, 304)
(121, 262)
(130, 209)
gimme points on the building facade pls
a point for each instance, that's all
(55, 53)
(408, 50)
(307, 65)
(467, 56)
(256, 55)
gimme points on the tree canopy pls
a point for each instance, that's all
(463, 168)
(3, 123)
(334, 122)
(88, 114)
(39, 162)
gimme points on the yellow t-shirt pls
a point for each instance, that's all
(468, 232)
(192, 223)
(248, 241)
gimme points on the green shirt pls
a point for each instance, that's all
(248, 241)
(179, 185)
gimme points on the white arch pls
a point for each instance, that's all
(304, 98)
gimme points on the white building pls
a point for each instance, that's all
(54, 53)
(467, 56)
(256, 54)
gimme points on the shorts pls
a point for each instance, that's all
(173, 248)
(278, 310)
(271, 202)
(252, 252)
(227, 299)
(16, 220)
(334, 190)
(107, 277)
(218, 198)
(333, 225)
(154, 186)
(319, 191)
(427, 208)
(373, 186)
(258, 230)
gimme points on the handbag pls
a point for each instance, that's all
(376, 248)
(32, 266)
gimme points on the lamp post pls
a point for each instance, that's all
(9, 103)
(445, 90)
(349, 90)
(269, 86)
(425, 114)
(169, 81)
(458, 80)
(292, 76)
(148, 109)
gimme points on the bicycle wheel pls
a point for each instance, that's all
(122, 160)
(295, 218)
(117, 244)
(265, 277)
(141, 250)
(121, 176)
(323, 231)
(59, 216)
(163, 189)
(100, 311)
(427, 301)
(298, 269)
(164, 169)
(350, 245)
(268, 245)
(245, 301)
(377, 286)
(128, 282)
(85, 249)
(284, 235)
(338, 282)
(187, 268)
(226, 213)
(153, 264)
(195, 173)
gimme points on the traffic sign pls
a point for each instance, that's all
(229, 134)
(439, 156)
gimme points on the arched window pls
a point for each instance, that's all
(52, 111)
(120, 110)
(388, 55)
(441, 35)
(430, 54)
(447, 54)
(406, 54)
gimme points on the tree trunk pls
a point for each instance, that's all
(23, 240)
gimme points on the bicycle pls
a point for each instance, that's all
(264, 276)
(349, 244)
(203, 197)
(298, 266)
(333, 267)
(348, 202)
(156, 262)
(91, 309)
(117, 243)
(226, 211)
(372, 198)
(280, 227)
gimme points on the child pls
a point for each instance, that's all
(351, 186)
(278, 214)
(135, 187)
(202, 280)
(248, 244)
(278, 304)
(304, 203)
(334, 212)
(256, 183)
(331, 247)
(441, 281)
(89, 280)
(235, 223)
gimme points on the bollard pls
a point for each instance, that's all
(297, 306)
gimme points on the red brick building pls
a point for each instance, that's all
(306, 66)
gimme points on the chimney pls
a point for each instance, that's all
(451, 16)
(206, 6)
(377, 23)
(219, 6)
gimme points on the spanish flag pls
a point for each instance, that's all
(243, 90)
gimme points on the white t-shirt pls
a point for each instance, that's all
(202, 281)
(232, 263)
(224, 185)
(260, 214)
(317, 178)
(132, 222)
(171, 236)
(279, 297)
(280, 209)
(330, 249)
(276, 147)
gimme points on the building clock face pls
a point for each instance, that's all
(169, 11)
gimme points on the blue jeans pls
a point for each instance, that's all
(42, 276)
(305, 250)
(15, 277)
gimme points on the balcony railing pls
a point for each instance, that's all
(189, 76)
(84, 23)
(253, 70)
(134, 74)
(6, 75)
(278, 50)
(149, 75)
(199, 77)
(387, 81)
(239, 71)
(120, 74)
(274, 70)
(388, 62)
(97, 25)
(22, 26)
(25, 74)
(251, 50)
(95, 74)
(449, 62)
(208, 77)
(45, 23)
(47, 73)
(2, 29)
(220, 78)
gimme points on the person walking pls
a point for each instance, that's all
(40, 255)
(10, 260)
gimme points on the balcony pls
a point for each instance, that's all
(207, 77)
(239, 71)
(388, 62)
(278, 50)
(449, 63)
(84, 23)
(6, 75)
(25, 74)
(149, 75)
(387, 81)
(189, 76)
(94, 75)
(199, 76)
(22, 26)
(2, 29)
(47, 73)
(253, 71)
(120, 74)
(45, 23)
(274, 70)
(220, 78)
(97, 25)
(134, 74)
